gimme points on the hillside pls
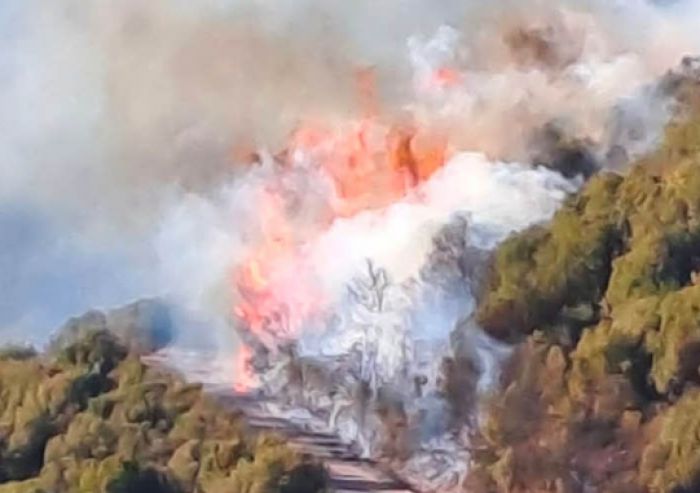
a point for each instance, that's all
(91, 417)
(603, 390)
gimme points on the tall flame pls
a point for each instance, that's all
(369, 165)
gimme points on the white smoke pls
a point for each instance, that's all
(406, 335)
(125, 144)
(113, 112)
(490, 107)
(124, 167)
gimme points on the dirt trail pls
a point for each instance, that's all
(348, 472)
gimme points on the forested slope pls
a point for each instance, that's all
(603, 391)
(90, 417)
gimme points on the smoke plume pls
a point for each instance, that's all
(313, 185)
(116, 116)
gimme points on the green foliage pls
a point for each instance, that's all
(618, 239)
(536, 273)
(675, 346)
(682, 139)
(610, 398)
(96, 419)
(24, 456)
(133, 479)
(672, 458)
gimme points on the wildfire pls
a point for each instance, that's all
(245, 379)
(369, 165)
(272, 272)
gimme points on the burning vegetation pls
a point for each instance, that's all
(367, 166)
(479, 268)
(595, 305)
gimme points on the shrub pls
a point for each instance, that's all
(614, 407)
(96, 419)
(536, 273)
(133, 479)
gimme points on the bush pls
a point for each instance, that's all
(671, 460)
(610, 399)
(98, 350)
(96, 419)
(536, 273)
(133, 479)
(26, 458)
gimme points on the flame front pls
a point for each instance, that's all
(367, 165)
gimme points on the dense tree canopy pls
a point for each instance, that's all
(609, 401)
(91, 417)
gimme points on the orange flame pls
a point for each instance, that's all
(367, 91)
(370, 165)
(244, 378)
(446, 77)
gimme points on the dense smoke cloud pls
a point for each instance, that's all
(124, 124)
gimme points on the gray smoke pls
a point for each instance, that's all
(120, 118)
